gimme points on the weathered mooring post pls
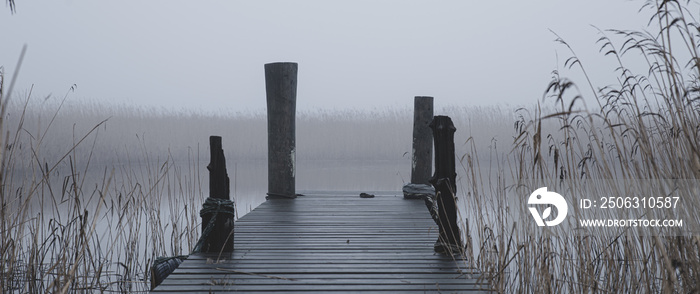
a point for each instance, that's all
(444, 181)
(218, 210)
(218, 176)
(422, 152)
(422, 140)
(281, 88)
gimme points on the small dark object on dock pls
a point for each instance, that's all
(280, 196)
(365, 195)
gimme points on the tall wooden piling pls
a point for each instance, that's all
(422, 155)
(444, 181)
(218, 211)
(281, 88)
(218, 176)
(422, 164)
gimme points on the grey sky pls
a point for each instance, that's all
(352, 54)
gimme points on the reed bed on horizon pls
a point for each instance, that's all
(382, 134)
(643, 128)
(70, 225)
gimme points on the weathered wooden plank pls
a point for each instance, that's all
(228, 290)
(341, 244)
(348, 256)
(311, 272)
(355, 281)
(317, 291)
(413, 265)
(227, 286)
(378, 278)
(371, 266)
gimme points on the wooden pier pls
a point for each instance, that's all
(330, 242)
(327, 242)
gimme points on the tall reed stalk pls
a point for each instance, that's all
(643, 128)
(69, 227)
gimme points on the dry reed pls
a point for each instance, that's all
(643, 128)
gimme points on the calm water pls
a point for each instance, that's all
(249, 178)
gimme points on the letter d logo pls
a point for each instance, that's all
(542, 196)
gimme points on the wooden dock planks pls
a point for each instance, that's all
(327, 243)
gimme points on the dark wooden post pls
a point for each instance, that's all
(217, 236)
(444, 181)
(422, 155)
(281, 87)
(218, 176)
(422, 164)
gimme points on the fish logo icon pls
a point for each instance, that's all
(542, 196)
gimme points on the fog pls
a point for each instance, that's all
(208, 56)
(336, 150)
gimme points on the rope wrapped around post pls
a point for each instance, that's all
(218, 213)
(211, 209)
